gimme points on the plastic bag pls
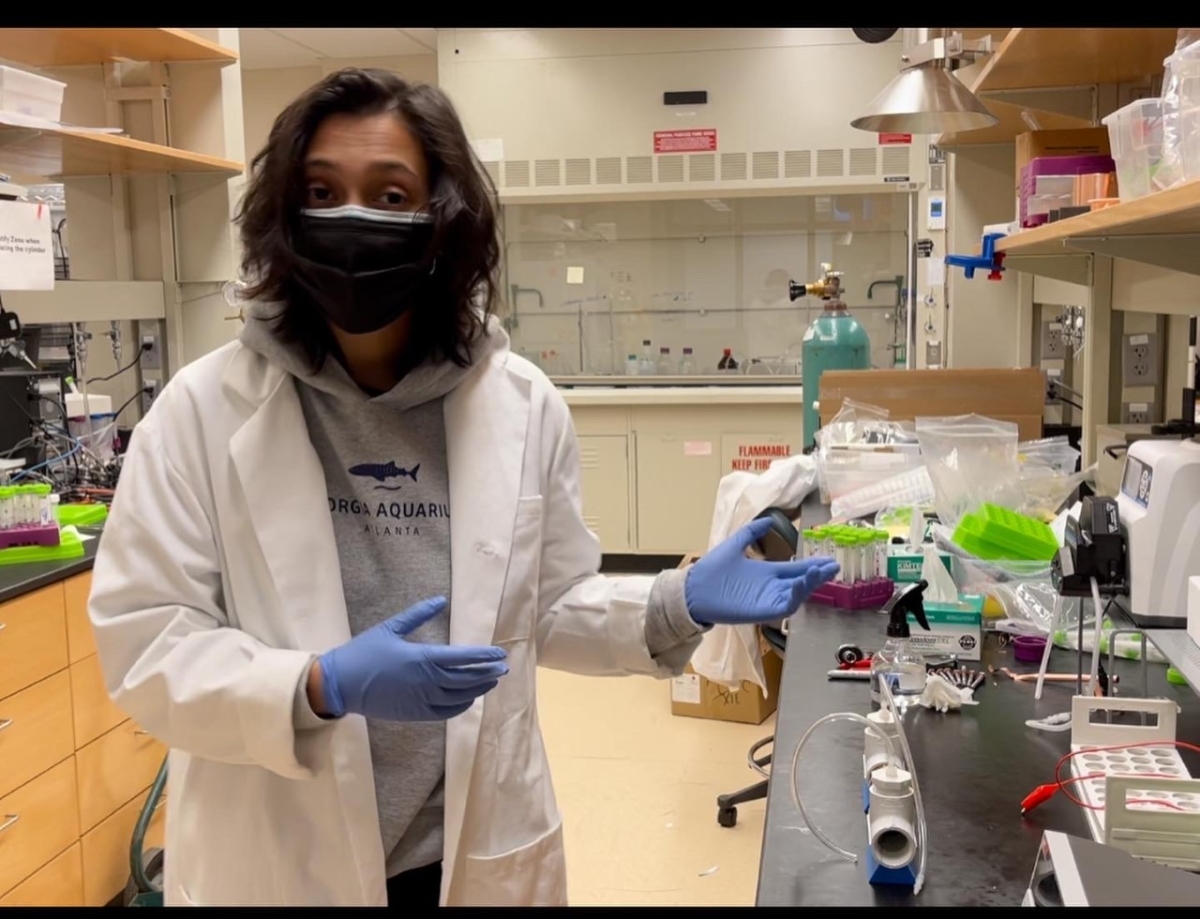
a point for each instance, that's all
(1170, 171)
(860, 447)
(1044, 492)
(971, 460)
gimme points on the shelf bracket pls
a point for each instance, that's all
(1175, 252)
(1074, 268)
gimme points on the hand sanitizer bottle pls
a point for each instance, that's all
(898, 661)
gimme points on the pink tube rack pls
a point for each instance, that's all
(872, 594)
(30, 536)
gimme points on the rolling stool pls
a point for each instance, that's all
(779, 544)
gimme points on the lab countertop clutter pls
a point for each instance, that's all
(985, 692)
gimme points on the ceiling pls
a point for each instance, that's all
(265, 49)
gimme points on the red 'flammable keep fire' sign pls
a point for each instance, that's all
(699, 140)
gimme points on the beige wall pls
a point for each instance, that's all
(266, 93)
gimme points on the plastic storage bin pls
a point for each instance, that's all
(1135, 134)
(1186, 70)
(29, 94)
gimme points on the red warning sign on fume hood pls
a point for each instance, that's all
(885, 139)
(698, 140)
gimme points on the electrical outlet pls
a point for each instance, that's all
(1052, 341)
(933, 354)
(1141, 359)
(1137, 413)
(150, 391)
(152, 355)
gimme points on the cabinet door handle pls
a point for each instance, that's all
(161, 802)
(10, 819)
(5, 723)
(140, 733)
(3, 626)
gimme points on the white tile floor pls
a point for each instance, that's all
(637, 787)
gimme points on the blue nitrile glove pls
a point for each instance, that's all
(727, 588)
(380, 674)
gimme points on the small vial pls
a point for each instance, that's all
(45, 509)
(7, 509)
(23, 506)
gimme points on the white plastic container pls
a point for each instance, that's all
(1136, 137)
(27, 93)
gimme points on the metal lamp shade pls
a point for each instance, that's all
(924, 100)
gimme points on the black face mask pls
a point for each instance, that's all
(363, 269)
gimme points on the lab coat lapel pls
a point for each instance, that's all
(286, 500)
(487, 420)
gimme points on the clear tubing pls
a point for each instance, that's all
(1057, 616)
(829, 719)
(1099, 612)
(922, 828)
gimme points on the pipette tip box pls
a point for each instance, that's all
(870, 594)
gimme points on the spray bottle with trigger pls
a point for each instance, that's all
(898, 661)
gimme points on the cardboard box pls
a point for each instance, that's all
(1070, 142)
(693, 696)
(953, 628)
(1017, 396)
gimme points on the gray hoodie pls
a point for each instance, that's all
(384, 459)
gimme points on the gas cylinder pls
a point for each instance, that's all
(834, 341)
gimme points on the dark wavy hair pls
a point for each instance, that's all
(462, 202)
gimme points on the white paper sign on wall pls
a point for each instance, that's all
(26, 246)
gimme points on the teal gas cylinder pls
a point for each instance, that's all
(834, 341)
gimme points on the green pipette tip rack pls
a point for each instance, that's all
(82, 515)
(994, 532)
(71, 546)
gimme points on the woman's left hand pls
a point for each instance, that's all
(727, 588)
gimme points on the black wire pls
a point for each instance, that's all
(1070, 403)
(113, 376)
(128, 402)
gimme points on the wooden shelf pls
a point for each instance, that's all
(66, 153)
(1047, 58)
(1011, 124)
(1161, 229)
(62, 47)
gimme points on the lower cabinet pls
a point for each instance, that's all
(75, 771)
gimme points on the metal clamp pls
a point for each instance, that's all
(10, 819)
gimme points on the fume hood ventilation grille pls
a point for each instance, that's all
(895, 161)
(702, 167)
(797, 164)
(670, 169)
(870, 165)
(831, 163)
(547, 173)
(766, 165)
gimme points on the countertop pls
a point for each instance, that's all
(17, 580)
(682, 395)
(973, 767)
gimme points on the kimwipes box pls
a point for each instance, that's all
(693, 696)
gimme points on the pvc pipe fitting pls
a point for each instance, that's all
(891, 818)
(875, 752)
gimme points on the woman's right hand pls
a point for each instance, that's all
(380, 674)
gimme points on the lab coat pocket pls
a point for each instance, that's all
(517, 616)
(534, 874)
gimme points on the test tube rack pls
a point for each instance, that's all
(49, 535)
(869, 594)
(1140, 795)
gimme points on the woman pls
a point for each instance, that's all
(371, 446)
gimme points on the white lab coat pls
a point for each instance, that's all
(217, 583)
